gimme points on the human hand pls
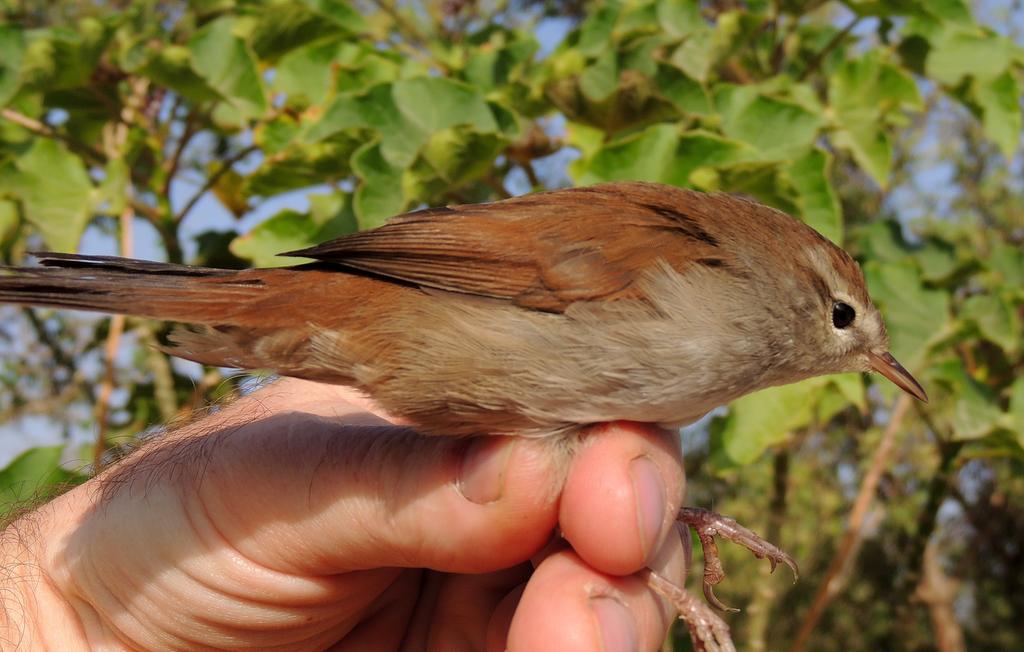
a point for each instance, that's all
(322, 524)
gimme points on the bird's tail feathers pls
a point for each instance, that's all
(111, 284)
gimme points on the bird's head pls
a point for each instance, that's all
(848, 330)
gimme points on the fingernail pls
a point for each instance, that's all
(617, 629)
(482, 475)
(650, 501)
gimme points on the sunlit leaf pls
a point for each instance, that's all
(959, 53)
(597, 29)
(224, 61)
(768, 417)
(683, 91)
(915, 315)
(777, 128)
(975, 412)
(433, 104)
(997, 321)
(379, 195)
(54, 190)
(34, 471)
(12, 50)
(816, 199)
(999, 99)
(600, 79)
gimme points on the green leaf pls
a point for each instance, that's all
(330, 216)
(596, 31)
(61, 57)
(1016, 413)
(306, 75)
(645, 156)
(915, 315)
(958, 53)
(882, 241)
(341, 13)
(886, 8)
(937, 260)
(851, 387)
(659, 153)
(401, 139)
(435, 103)
(695, 54)
(699, 150)
(599, 80)
(999, 99)
(12, 51)
(405, 113)
(35, 470)
(489, 69)
(280, 27)
(861, 93)
(112, 190)
(171, 66)
(995, 318)
(302, 166)
(679, 18)
(778, 129)
(682, 90)
(954, 11)
(460, 154)
(285, 231)
(333, 212)
(223, 60)
(765, 418)
(975, 411)
(9, 221)
(871, 149)
(379, 196)
(1008, 263)
(54, 190)
(862, 89)
(816, 199)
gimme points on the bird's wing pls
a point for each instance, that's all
(543, 251)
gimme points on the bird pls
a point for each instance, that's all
(533, 316)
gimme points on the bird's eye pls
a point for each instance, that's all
(842, 314)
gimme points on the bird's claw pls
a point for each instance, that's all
(708, 525)
(708, 631)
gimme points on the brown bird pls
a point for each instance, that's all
(532, 316)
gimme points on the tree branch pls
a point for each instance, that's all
(212, 180)
(171, 165)
(116, 139)
(829, 586)
(45, 130)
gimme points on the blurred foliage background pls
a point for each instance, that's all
(219, 132)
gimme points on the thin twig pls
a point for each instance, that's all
(47, 405)
(212, 180)
(151, 213)
(829, 586)
(43, 129)
(171, 165)
(116, 138)
(531, 174)
(163, 375)
(831, 45)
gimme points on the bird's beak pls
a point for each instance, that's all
(887, 365)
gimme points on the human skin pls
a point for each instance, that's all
(302, 518)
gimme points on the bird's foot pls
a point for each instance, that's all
(707, 525)
(708, 631)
